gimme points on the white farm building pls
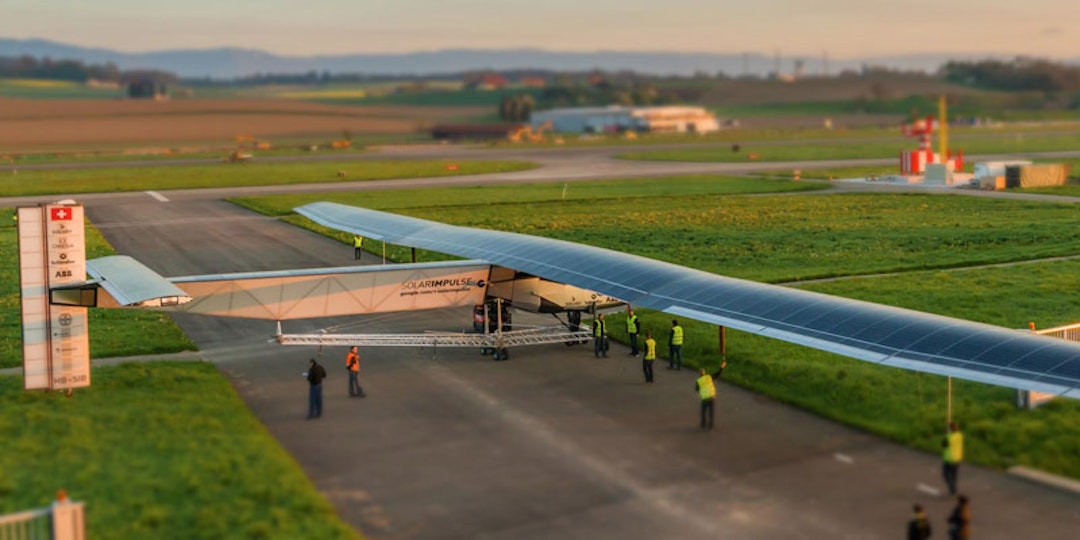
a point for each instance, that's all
(673, 119)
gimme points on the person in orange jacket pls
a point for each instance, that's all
(352, 362)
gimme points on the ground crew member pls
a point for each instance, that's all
(650, 357)
(675, 341)
(919, 527)
(358, 246)
(315, 375)
(599, 328)
(352, 362)
(632, 331)
(707, 391)
(951, 455)
(960, 520)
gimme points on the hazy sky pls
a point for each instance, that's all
(844, 28)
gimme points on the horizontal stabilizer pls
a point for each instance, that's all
(131, 284)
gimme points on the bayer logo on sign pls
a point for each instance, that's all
(65, 319)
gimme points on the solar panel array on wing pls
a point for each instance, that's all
(863, 330)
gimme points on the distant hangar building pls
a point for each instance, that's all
(614, 119)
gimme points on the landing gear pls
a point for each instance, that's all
(573, 323)
(497, 354)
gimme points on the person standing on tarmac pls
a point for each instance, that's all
(352, 362)
(599, 335)
(707, 391)
(675, 341)
(315, 375)
(632, 331)
(951, 455)
(650, 357)
(358, 246)
(960, 520)
(919, 527)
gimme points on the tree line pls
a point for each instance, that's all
(29, 67)
(1019, 74)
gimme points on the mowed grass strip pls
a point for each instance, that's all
(113, 332)
(855, 149)
(113, 179)
(157, 450)
(785, 238)
(780, 238)
(538, 200)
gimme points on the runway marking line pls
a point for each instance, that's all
(157, 196)
(844, 458)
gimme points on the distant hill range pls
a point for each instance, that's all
(230, 63)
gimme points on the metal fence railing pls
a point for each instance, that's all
(64, 520)
(1070, 332)
(29, 525)
(1029, 399)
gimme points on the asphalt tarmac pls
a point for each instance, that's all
(553, 442)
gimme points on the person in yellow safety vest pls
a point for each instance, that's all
(358, 246)
(675, 341)
(707, 391)
(632, 331)
(599, 328)
(952, 454)
(650, 357)
(352, 362)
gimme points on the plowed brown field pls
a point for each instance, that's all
(27, 124)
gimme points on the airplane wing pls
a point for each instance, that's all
(871, 332)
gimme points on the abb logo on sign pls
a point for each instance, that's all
(59, 214)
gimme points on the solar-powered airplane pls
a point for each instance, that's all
(547, 275)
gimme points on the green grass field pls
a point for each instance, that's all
(157, 450)
(42, 181)
(764, 238)
(50, 89)
(928, 239)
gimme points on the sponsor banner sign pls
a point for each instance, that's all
(52, 251)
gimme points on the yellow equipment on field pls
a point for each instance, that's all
(526, 133)
(251, 142)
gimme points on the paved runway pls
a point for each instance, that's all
(552, 443)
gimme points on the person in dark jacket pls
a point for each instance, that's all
(960, 520)
(919, 527)
(315, 375)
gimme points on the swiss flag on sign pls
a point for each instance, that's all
(59, 214)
